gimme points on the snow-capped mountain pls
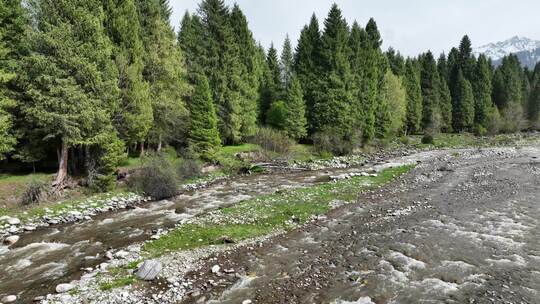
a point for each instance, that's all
(527, 50)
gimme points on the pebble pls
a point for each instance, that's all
(10, 240)
(62, 288)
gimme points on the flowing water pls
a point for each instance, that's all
(44, 258)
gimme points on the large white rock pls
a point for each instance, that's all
(215, 269)
(149, 270)
(10, 240)
(9, 299)
(62, 288)
(13, 221)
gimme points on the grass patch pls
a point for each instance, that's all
(268, 213)
(230, 151)
(117, 283)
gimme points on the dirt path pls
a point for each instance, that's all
(461, 228)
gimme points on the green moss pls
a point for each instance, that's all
(262, 215)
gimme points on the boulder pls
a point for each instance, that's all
(13, 221)
(63, 288)
(10, 240)
(149, 270)
(9, 299)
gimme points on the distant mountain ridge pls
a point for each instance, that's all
(527, 50)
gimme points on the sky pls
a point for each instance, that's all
(410, 26)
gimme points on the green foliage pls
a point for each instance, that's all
(286, 64)
(429, 82)
(295, 125)
(189, 168)
(414, 98)
(464, 105)
(277, 115)
(156, 178)
(482, 89)
(507, 93)
(271, 89)
(395, 99)
(329, 143)
(273, 141)
(33, 193)
(203, 135)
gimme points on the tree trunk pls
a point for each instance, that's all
(142, 148)
(159, 146)
(62, 166)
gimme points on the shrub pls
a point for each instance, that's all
(331, 142)
(189, 168)
(428, 139)
(273, 141)
(156, 178)
(33, 192)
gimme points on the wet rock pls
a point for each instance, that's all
(9, 299)
(149, 270)
(10, 240)
(121, 254)
(63, 288)
(13, 221)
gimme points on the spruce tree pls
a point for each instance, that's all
(7, 136)
(271, 89)
(164, 71)
(331, 111)
(223, 68)
(69, 47)
(464, 107)
(482, 89)
(203, 131)
(189, 36)
(396, 62)
(508, 93)
(466, 59)
(429, 83)
(307, 66)
(414, 98)
(445, 105)
(533, 110)
(251, 72)
(135, 115)
(392, 111)
(286, 63)
(295, 123)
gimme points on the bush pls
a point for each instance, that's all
(189, 168)
(428, 139)
(273, 141)
(33, 192)
(156, 178)
(331, 142)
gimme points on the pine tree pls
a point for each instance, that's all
(164, 71)
(7, 136)
(482, 89)
(396, 62)
(307, 66)
(191, 31)
(251, 72)
(360, 87)
(295, 123)
(445, 105)
(203, 132)
(286, 63)
(533, 110)
(69, 47)
(135, 115)
(331, 110)
(223, 68)
(466, 59)
(507, 93)
(392, 115)
(271, 89)
(430, 94)
(464, 108)
(414, 98)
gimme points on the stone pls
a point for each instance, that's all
(13, 221)
(38, 299)
(63, 288)
(109, 255)
(121, 254)
(247, 302)
(215, 269)
(29, 228)
(10, 240)
(149, 270)
(9, 299)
